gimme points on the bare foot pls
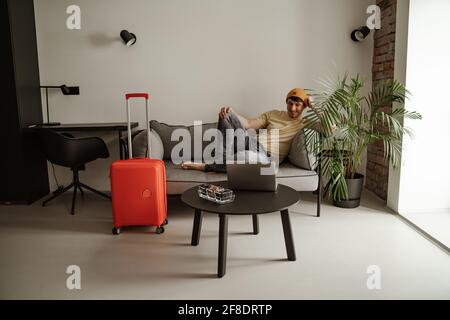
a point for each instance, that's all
(187, 165)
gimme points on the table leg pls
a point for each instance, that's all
(223, 237)
(197, 227)
(289, 241)
(255, 224)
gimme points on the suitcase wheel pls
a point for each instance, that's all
(115, 231)
(159, 230)
(165, 222)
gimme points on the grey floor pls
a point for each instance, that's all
(334, 253)
(436, 224)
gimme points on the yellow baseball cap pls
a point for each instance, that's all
(299, 93)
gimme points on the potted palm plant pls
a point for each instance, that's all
(349, 122)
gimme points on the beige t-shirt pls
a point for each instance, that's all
(287, 129)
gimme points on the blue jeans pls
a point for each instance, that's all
(231, 121)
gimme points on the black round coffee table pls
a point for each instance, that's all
(245, 203)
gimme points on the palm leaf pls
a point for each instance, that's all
(359, 121)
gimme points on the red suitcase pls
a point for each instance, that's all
(138, 186)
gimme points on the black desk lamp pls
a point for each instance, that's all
(66, 91)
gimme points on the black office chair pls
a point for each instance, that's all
(65, 150)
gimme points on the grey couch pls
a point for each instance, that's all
(294, 172)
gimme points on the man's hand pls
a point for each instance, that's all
(224, 111)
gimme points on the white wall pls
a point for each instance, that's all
(424, 183)
(401, 57)
(192, 56)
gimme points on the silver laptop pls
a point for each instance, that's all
(249, 176)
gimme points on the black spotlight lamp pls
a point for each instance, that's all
(69, 91)
(127, 37)
(360, 34)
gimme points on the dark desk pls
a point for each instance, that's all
(66, 127)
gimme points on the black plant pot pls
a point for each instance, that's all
(354, 187)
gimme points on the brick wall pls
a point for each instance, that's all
(377, 171)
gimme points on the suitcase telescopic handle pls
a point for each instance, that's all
(136, 95)
(129, 96)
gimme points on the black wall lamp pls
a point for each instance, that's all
(70, 91)
(360, 34)
(127, 37)
(67, 91)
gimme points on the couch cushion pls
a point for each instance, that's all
(165, 132)
(179, 180)
(298, 154)
(174, 173)
(288, 170)
(140, 145)
(297, 178)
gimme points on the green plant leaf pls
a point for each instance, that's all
(345, 122)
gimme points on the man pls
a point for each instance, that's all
(288, 123)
